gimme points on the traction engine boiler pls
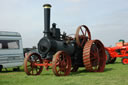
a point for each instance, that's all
(65, 53)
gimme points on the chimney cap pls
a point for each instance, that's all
(47, 6)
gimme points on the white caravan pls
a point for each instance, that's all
(11, 50)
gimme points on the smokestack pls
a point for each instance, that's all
(47, 20)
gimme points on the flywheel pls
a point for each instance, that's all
(82, 35)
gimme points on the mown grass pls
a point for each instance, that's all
(114, 74)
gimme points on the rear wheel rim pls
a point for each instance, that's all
(94, 57)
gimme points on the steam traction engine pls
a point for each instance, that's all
(120, 50)
(62, 52)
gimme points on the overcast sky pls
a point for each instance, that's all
(106, 19)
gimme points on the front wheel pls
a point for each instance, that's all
(29, 64)
(124, 60)
(61, 64)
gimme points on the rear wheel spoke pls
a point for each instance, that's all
(82, 31)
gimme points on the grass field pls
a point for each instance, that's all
(114, 74)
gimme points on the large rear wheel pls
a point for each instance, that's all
(112, 60)
(94, 57)
(108, 57)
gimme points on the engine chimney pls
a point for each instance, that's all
(47, 20)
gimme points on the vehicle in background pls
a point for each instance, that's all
(26, 51)
(120, 50)
(11, 50)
